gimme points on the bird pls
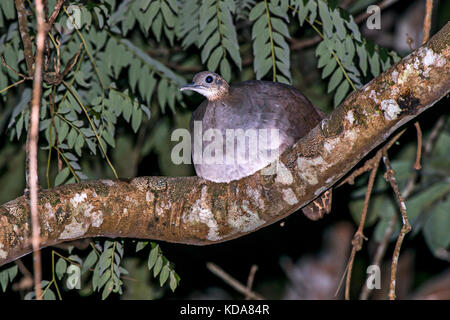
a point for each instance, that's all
(252, 106)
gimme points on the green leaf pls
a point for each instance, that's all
(173, 281)
(141, 245)
(329, 68)
(62, 176)
(63, 130)
(136, 119)
(106, 275)
(49, 295)
(12, 271)
(133, 73)
(60, 268)
(233, 50)
(259, 26)
(79, 144)
(4, 279)
(157, 27)
(158, 266)
(257, 11)
(109, 138)
(210, 44)
(338, 23)
(8, 9)
(71, 138)
(164, 275)
(87, 132)
(152, 257)
(362, 55)
(280, 26)
(214, 60)
(169, 17)
(341, 92)
(437, 226)
(90, 260)
(302, 12)
(374, 62)
(163, 93)
(107, 290)
(327, 23)
(335, 79)
(225, 70)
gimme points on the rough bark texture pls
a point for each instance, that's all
(194, 211)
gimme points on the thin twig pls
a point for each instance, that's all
(26, 282)
(371, 164)
(368, 165)
(406, 227)
(427, 21)
(232, 282)
(33, 148)
(417, 165)
(24, 77)
(381, 249)
(12, 85)
(250, 279)
(26, 40)
(359, 235)
(55, 13)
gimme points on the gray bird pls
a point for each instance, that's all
(252, 106)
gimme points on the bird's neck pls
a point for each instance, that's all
(221, 93)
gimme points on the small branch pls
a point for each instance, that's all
(23, 28)
(359, 235)
(368, 165)
(215, 269)
(21, 75)
(33, 148)
(406, 227)
(417, 165)
(250, 279)
(371, 164)
(55, 14)
(12, 85)
(427, 21)
(381, 249)
(26, 282)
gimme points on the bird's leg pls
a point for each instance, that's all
(319, 207)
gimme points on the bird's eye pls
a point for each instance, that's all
(209, 79)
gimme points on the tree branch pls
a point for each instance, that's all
(191, 210)
(23, 28)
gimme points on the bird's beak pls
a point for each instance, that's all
(190, 86)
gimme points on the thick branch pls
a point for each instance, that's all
(194, 211)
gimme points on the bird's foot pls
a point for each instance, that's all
(319, 207)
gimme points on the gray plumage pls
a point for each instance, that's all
(250, 105)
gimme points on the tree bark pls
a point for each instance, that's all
(191, 210)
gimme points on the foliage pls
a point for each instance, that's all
(130, 59)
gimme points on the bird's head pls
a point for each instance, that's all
(209, 84)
